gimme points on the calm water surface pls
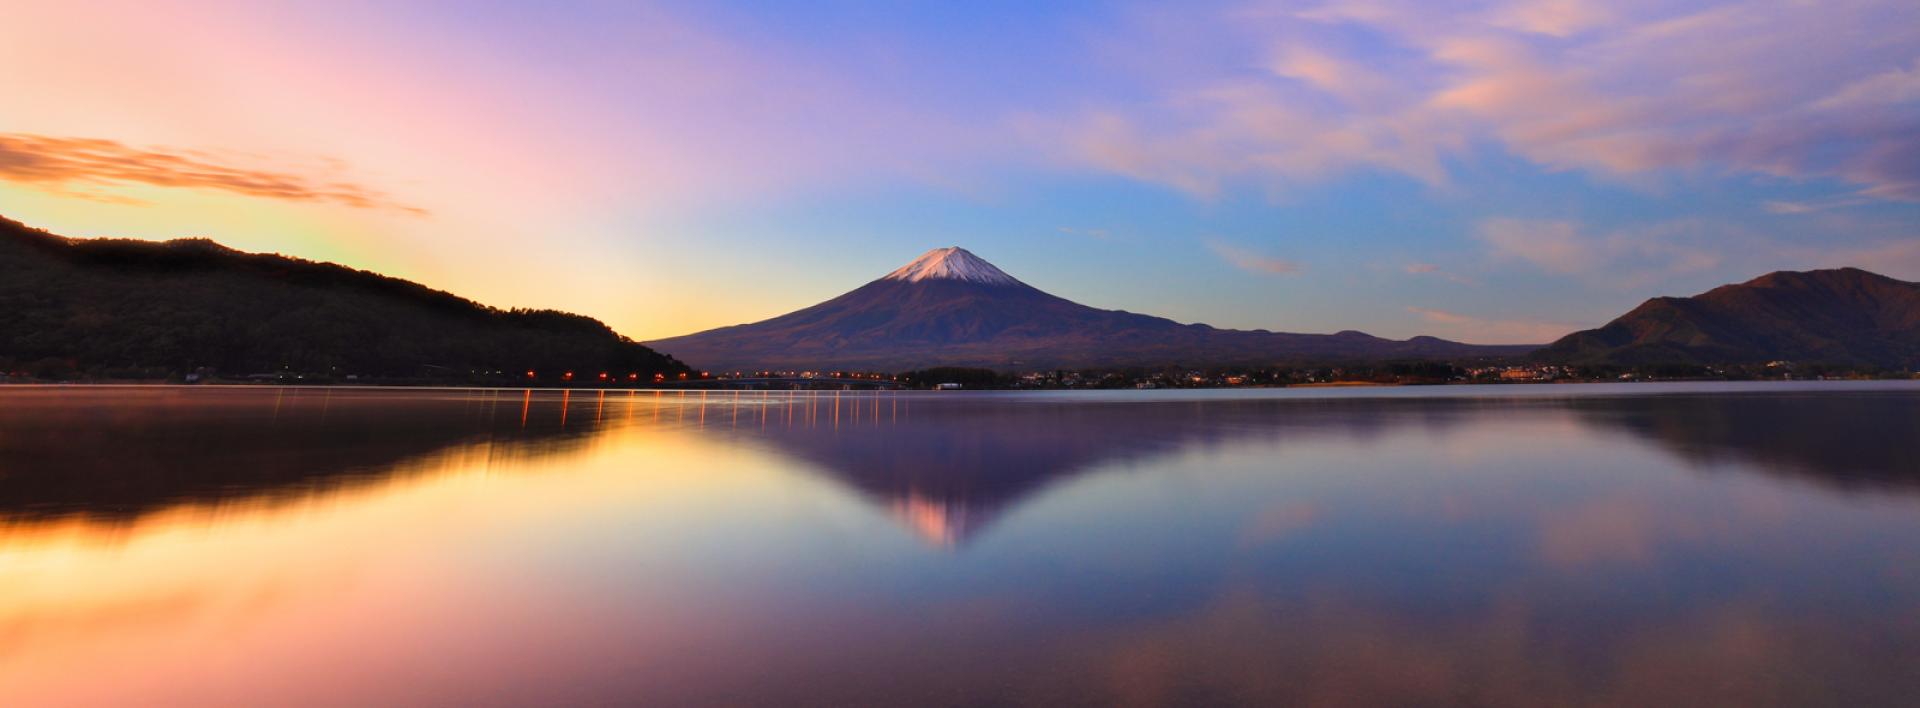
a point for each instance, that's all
(1609, 545)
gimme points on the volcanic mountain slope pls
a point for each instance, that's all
(1841, 316)
(951, 308)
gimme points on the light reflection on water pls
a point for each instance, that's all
(1512, 545)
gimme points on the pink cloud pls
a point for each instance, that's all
(1814, 205)
(1892, 87)
(1775, 88)
(1554, 246)
(1630, 257)
(1352, 81)
(1558, 18)
(1251, 261)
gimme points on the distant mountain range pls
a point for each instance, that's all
(141, 309)
(120, 308)
(1841, 316)
(952, 308)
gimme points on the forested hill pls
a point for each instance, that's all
(1841, 316)
(120, 308)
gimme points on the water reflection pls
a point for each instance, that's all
(959, 464)
(949, 467)
(122, 452)
(1856, 440)
(723, 548)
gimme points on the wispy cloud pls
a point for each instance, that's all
(1690, 253)
(1251, 261)
(1494, 331)
(1815, 205)
(1554, 246)
(1101, 234)
(1892, 87)
(1625, 257)
(60, 163)
(1556, 18)
(1614, 89)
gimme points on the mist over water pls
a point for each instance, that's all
(1625, 545)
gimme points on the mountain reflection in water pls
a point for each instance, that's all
(1507, 545)
(954, 466)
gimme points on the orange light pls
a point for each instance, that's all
(633, 376)
(567, 376)
(683, 375)
(603, 376)
(529, 373)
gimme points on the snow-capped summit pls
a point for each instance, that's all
(951, 263)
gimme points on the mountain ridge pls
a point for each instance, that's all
(1847, 316)
(145, 309)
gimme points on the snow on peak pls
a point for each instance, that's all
(951, 263)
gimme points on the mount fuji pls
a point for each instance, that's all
(950, 307)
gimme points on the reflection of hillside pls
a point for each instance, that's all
(128, 451)
(1848, 440)
(949, 466)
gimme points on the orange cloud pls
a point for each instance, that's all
(54, 162)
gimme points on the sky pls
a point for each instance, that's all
(1498, 172)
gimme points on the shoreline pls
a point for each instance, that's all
(1331, 386)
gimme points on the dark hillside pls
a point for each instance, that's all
(1841, 316)
(142, 309)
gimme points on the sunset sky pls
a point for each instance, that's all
(1482, 171)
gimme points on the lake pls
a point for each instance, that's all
(1632, 544)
